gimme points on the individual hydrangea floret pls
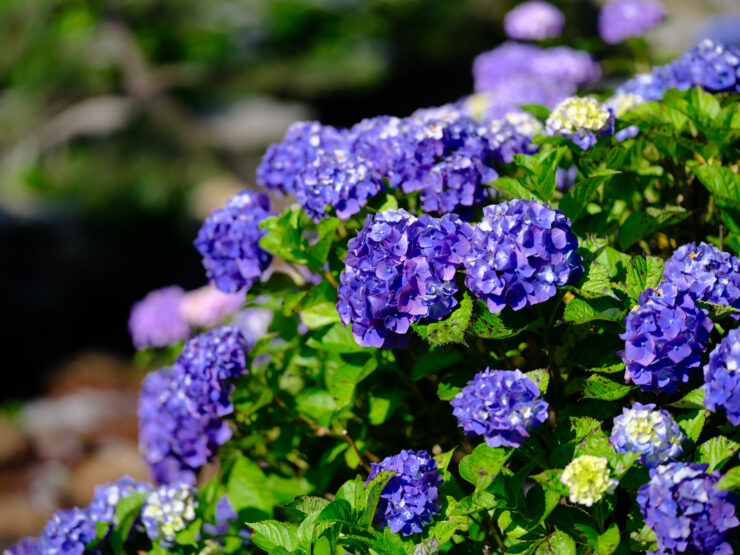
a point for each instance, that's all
(652, 434)
(106, 498)
(666, 334)
(24, 546)
(707, 273)
(584, 120)
(722, 377)
(501, 405)
(182, 408)
(534, 20)
(157, 319)
(622, 19)
(68, 532)
(588, 479)
(400, 270)
(520, 253)
(168, 510)
(411, 497)
(229, 239)
(208, 306)
(686, 511)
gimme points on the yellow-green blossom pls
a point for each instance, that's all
(588, 479)
(575, 113)
(623, 103)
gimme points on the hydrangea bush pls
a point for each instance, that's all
(476, 328)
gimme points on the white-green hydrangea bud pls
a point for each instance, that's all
(623, 103)
(588, 479)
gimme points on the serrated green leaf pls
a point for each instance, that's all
(607, 542)
(581, 311)
(450, 330)
(308, 504)
(574, 202)
(550, 480)
(692, 423)
(599, 387)
(541, 170)
(336, 339)
(434, 360)
(370, 496)
(642, 273)
(640, 225)
(271, 535)
(717, 451)
(503, 325)
(483, 464)
(718, 311)
(694, 399)
(541, 378)
(512, 188)
(596, 282)
(731, 479)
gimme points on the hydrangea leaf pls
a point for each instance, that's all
(503, 325)
(694, 399)
(512, 187)
(343, 373)
(692, 423)
(451, 329)
(557, 543)
(541, 169)
(590, 247)
(245, 487)
(716, 452)
(127, 511)
(581, 311)
(336, 339)
(434, 360)
(640, 225)
(550, 480)
(483, 464)
(721, 182)
(370, 496)
(307, 504)
(718, 311)
(596, 282)
(190, 535)
(600, 387)
(541, 378)
(731, 480)
(271, 534)
(642, 273)
(607, 542)
(576, 200)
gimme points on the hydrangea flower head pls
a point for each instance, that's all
(398, 270)
(534, 20)
(666, 334)
(229, 239)
(713, 66)
(622, 19)
(652, 434)
(67, 533)
(168, 510)
(501, 405)
(686, 511)
(581, 119)
(512, 134)
(208, 306)
(707, 273)
(24, 546)
(588, 479)
(650, 86)
(106, 498)
(157, 319)
(411, 497)
(520, 253)
(722, 377)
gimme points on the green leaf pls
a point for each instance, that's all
(692, 423)
(271, 534)
(434, 360)
(343, 373)
(245, 487)
(718, 311)
(694, 399)
(596, 282)
(336, 339)
(443, 461)
(316, 403)
(608, 541)
(370, 496)
(483, 464)
(608, 369)
(717, 451)
(450, 330)
(512, 188)
(731, 480)
(541, 378)
(190, 535)
(640, 225)
(581, 311)
(590, 247)
(575, 201)
(541, 169)
(127, 511)
(600, 387)
(503, 325)
(319, 307)
(643, 273)
(307, 504)
(550, 480)
(558, 543)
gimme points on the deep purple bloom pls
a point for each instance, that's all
(157, 319)
(411, 497)
(399, 270)
(229, 239)
(24, 546)
(520, 253)
(666, 334)
(706, 273)
(622, 19)
(67, 533)
(106, 498)
(534, 20)
(181, 408)
(652, 434)
(686, 511)
(722, 377)
(501, 405)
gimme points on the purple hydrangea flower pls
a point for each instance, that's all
(411, 497)
(622, 19)
(562, 63)
(181, 408)
(512, 134)
(106, 498)
(584, 120)
(229, 239)
(501, 405)
(534, 20)
(666, 334)
(652, 434)
(399, 270)
(67, 533)
(168, 510)
(686, 511)
(208, 306)
(629, 132)
(650, 86)
(707, 273)
(520, 253)
(157, 319)
(24, 546)
(565, 179)
(722, 377)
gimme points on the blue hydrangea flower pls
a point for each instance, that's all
(650, 86)
(652, 434)
(566, 178)
(666, 334)
(722, 377)
(67, 533)
(520, 253)
(534, 20)
(411, 497)
(157, 319)
(584, 120)
(622, 19)
(229, 239)
(399, 270)
(168, 510)
(501, 405)
(106, 498)
(686, 511)
(24, 546)
(181, 408)
(706, 273)
(512, 134)
(714, 66)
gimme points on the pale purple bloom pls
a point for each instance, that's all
(208, 306)
(652, 434)
(103, 505)
(24, 546)
(622, 19)
(157, 319)
(534, 20)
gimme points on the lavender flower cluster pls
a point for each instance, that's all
(520, 253)
(652, 434)
(411, 497)
(665, 337)
(399, 270)
(722, 377)
(181, 408)
(623, 19)
(534, 20)
(686, 511)
(500, 405)
(229, 239)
